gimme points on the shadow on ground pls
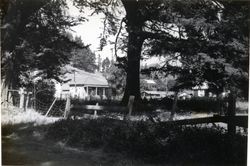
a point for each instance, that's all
(24, 144)
(119, 143)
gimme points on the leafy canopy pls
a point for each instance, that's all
(34, 40)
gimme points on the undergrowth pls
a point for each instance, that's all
(153, 143)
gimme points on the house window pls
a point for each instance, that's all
(92, 91)
(100, 91)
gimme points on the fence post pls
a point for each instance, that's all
(34, 97)
(174, 106)
(130, 106)
(7, 99)
(231, 112)
(95, 112)
(27, 100)
(21, 93)
(67, 107)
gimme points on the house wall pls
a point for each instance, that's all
(95, 92)
(78, 92)
(199, 93)
(81, 92)
(63, 95)
(58, 92)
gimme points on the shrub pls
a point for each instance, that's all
(199, 104)
(154, 143)
(45, 91)
(7, 129)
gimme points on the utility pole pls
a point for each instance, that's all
(75, 81)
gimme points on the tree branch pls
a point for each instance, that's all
(104, 26)
(147, 35)
(116, 39)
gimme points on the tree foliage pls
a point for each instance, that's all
(34, 40)
(116, 78)
(105, 64)
(215, 48)
(83, 58)
(45, 91)
(210, 37)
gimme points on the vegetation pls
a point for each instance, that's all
(153, 143)
(167, 28)
(195, 104)
(45, 91)
(195, 32)
(83, 58)
(211, 31)
(116, 77)
(209, 38)
(40, 45)
(106, 64)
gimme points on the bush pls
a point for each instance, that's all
(209, 145)
(154, 143)
(45, 91)
(7, 129)
(197, 104)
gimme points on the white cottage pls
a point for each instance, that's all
(200, 91)
(82, 85)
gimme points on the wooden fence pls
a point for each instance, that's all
(230, 119)
(241, 121)
(77, 110)
(17, 97)
(72, 110)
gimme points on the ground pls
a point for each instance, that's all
(25, 141)
(26, 146)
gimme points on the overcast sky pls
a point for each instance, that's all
(91, 30)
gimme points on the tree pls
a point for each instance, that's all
(45, 91)
(83, 58)
(138, 13)
(233, 32)
(116, 78)
(105, 64)
(34, 39)
(216, 46)
(99, 62)
(182, 27)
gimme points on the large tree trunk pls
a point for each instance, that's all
(135, 41)
(133, 70)
(174, 106)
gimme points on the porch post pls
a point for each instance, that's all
(96, 91)
(103, 91)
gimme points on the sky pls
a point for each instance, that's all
(91, 30)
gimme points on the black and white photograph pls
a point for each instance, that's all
(124, 82)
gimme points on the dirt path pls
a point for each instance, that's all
(26, 146)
